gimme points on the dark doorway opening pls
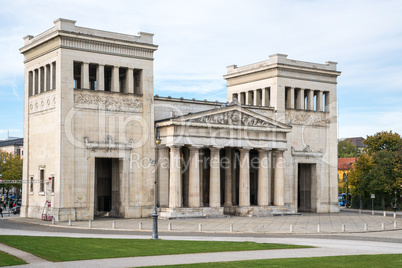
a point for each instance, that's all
(107, 192)
(305, 172)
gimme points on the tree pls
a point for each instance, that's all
(11, 170)
(379, 168)
(346, 149)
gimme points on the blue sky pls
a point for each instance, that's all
(198, 39)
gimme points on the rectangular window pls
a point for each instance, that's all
(53, 75)
(42, 180)
(31, 184)
(92, 76)
(77, 75)
(108, 77)
(30, 84)
(137, 81)
(42, 80)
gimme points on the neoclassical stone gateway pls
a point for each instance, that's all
(91, 117)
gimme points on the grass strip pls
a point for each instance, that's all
(9, 260)
(383, 260)
(70, 249)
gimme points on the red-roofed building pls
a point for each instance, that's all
(345, 165)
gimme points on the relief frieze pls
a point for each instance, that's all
(107, 102)
(42, 102)
(232, 118)
(307, 118)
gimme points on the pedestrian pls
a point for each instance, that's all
(395, 208)
(1, 211)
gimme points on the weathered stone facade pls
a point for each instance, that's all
(91, 116)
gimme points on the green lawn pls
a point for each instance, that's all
(8, 260)
(389, 260)
(70, 249)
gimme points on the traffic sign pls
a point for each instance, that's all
(372, 195)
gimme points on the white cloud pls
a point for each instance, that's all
(198, 39)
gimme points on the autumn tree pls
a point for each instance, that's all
(379, 168)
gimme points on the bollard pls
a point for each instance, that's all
(395, 224)
(200, 227)
(53, 221)
(385, 214)
(69, 222)
(360, 211)
(114, 224)
(90, 224)
(343, 227)
(372, 212)
(291, 228)
(140, 226)
(383, 225)
(394, 215)
(365, 227)
(231, 228)
(318, 228)
(170, 226)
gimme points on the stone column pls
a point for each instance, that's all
(41, 79)
(310, 100)
(263, 178)
(215, 179)
(194, 178)
(263, 97)
(130, 81)
(244, 180)
(291, 98)
(35, 82)
(163, 176)
(85, 75)
(246, 102)
(51, 76)
(115, 79)
(279, 179)
(201, 157)
(175, 192)
(300, 99)
(319, 101)
(100, 78)
(234, 177)
(228, 177)
(255, 97)
(46, 86)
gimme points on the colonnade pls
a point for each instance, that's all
(107, 78)
(42, 79)
(256, 97)
(306, 99)
(171, 177)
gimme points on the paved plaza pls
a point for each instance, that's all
(362, 234)
(306, 223)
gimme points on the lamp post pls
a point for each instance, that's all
(395, 196)
(1, 175)
(345, 178)
(154, 163)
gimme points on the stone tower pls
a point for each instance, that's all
(88, 112)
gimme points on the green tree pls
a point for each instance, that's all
(379, 168)
(346, 149)
(11, 170)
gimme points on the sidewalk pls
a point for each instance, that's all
(308, 223)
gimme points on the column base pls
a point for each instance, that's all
(266, 211)
(183, 213)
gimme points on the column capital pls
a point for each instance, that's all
(215, 148)
(264, 149)
(245, 149)
(175, 146)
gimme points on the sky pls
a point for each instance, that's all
(198, 39)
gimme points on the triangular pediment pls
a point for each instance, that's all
(233, 115)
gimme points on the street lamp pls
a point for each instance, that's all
(154, 163)
(395, 196)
